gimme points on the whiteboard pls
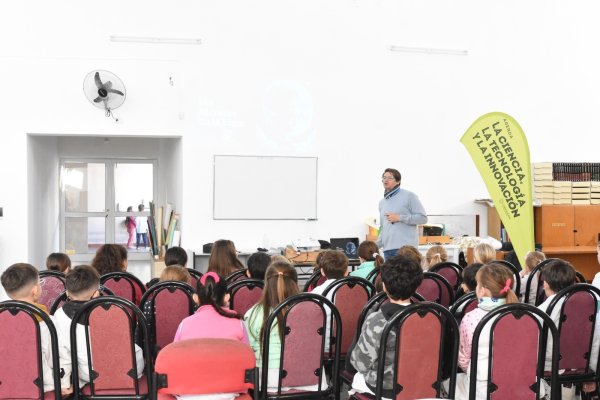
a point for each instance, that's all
(265, 187)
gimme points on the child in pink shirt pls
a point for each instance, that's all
(212, 319)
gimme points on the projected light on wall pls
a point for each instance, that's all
(287, 115)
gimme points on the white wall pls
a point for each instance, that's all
(283, 77)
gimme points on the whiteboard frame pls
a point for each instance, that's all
(315, 218)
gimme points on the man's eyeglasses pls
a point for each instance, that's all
(387, 178)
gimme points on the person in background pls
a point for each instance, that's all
(368, 254)
(58, 262)
(411, 251)
(484, 253)
(532, 259)
(257, 265)
(130, 225)
(223, 258)
(176, 256)
(110, 258)
(469, 283)
(400, 212)
(435, 254)
(140, 228)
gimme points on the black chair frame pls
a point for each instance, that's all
(457, 268)
(50, 272)
(124, 275)
(518, 310)
(234, 275)
(104, 291)
(460, 302)
(448, 325)
(536, 271)
(133, 314)
(312, 281)
(590, 375)
(35, 313)
(516, 272)
(232, 288)
(284, 307)
(441, 281)
(372, 277)
(195, 273)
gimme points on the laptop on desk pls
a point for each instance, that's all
(348, 245)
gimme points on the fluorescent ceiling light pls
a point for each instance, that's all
(425, 50)
(154, 40)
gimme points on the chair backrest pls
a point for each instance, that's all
(196, 275)
(244, 294)
(373, 275)
(580, 277)
(124, 285)
(536, 276)
(226, 366)
(516, 286)
(577, 305)
(63, 298)
(418, 335)
(53, 284)
(436, 288)
(304, 320)
(463, 305)
(349, 294)
(110, 323)
(236, 276)
(169, 303)
(451, 271)
(512, 369)
(313, 281)
(21, 373)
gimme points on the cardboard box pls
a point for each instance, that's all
(157, 268)
(301, 257)
(434, 239)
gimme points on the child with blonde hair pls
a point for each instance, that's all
(435, 255)
(494, 282)
(532, 259)
(484, 253)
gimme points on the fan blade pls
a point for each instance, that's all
(108, 85)
(98, 81)
(115, 91)
(98, 99)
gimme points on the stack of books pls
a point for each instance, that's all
(594, 192)
(562, 192)
(542, 181)
(580, 193)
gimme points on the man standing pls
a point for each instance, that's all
(400, 211)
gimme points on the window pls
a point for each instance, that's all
(105, 201)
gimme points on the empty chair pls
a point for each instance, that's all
(507, 355)
(244, 294)
(575, 308)
(166, 304)
(303, 321)
(450, 271)
(53, 284)
(21, 372)
(314, 280)
(226, 366)
(417, 336)
(113, 362)
(124, 285)
(436, 288)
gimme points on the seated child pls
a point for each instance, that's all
(484, 253)
(82, 284)
(58, 262)
(176, 256)
(532, 259)
(257, 265)
(368, 254)
(494, 282)
(469, 283)
(401, 276)
(334, 266)
(212, 319)
(435, 254)
(22, 282)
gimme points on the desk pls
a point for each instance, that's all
(452, 249)
(583, 258)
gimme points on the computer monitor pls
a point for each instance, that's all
(348, 245)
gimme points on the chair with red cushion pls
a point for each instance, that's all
(303, 328)
(313, 281)
(53, 284)
(451, 271)
(244, 294)
(463, 305)
(204, 366)
(577, 306)
(108, 325)
(21, 376)
(540, 295)
(196, 275)
(436, 288)
(419, 334)
(124, 285)
(235, 276)
(165, 305)
(63, 298)
(515, 354)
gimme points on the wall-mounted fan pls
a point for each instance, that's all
(104, 90)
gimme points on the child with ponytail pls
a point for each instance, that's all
(281, 282)
(435, 254)
(494, 282)
(370, 259)
(212, 319)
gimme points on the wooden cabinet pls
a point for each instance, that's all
(567, 225)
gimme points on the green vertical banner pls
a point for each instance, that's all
(499, 149)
